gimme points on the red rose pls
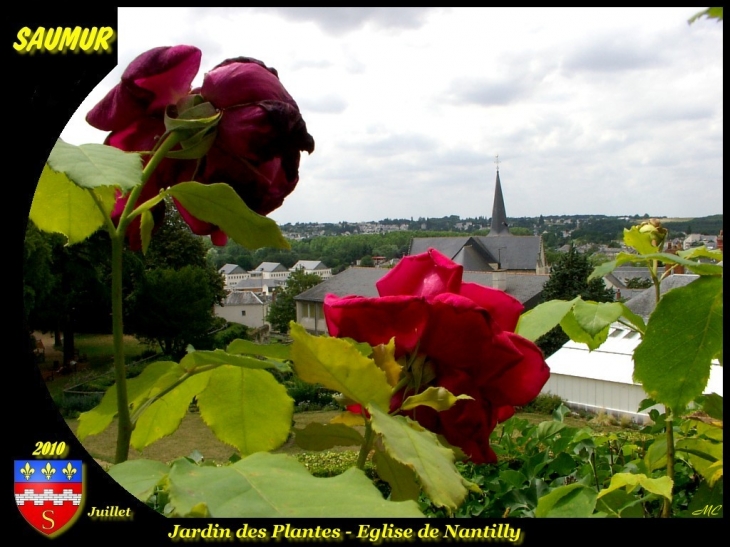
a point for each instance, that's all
(258, 139)
(466, 333)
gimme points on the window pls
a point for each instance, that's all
(243, 312)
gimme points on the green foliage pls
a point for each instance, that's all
(261, 485)
(544, 403)
(219, 204)
(234, 331)
(173, 307)
(569, 279)
(283, 309)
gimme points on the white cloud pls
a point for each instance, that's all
(608, 111)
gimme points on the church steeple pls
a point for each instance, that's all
(499, 225)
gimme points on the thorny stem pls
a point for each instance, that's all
(669, 421)
(366, 446)
(124, 422)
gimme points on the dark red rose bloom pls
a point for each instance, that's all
(259, 137)
(466, 333)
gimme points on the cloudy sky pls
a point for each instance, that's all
(591, 111)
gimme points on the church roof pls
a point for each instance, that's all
(361, 282)
(499, 214)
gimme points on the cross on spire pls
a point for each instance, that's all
(496, 161)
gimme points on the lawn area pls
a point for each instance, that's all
(194, 435)
(98, 350)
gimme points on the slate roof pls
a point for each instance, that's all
(310, 265)
(270, 267)
(499, 215)
(361, 282)
(258, 283)
(228, 269)
(645, 302)
(242, 298)
(512, 252)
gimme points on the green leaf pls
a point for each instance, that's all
(542, 318)
(62, 207)
(661, 486)
(156, 376)
(147, 223)
(545, 430)
(95, 165)
(267, 485)
(656, 456)
(604, 269)
(163, 417)
(707, 501)
(620, 504)
(673, 360)
(636, 320)
(700, 268)
(401, 478)
(219, 204)
(199, 358)
(318, 436)
(641, 241)
(712, 405)
(575, 331)
(438, 398)
(572, 500)
(411, 445)
(594, 317)
(139, 477)
(274, 351)
(246, 408)
(338, 365)
(701, 252)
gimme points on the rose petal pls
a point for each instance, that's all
(519, 384)
(241, 81)
(153, 80)
(377, 320)
(502, 307)
(427, 274)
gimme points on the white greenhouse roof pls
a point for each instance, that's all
(612, 361)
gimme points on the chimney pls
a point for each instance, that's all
(499, 280)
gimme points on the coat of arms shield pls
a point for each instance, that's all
(49, 493)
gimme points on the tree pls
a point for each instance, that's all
(173, 308)
(568, 279)
(283, 309)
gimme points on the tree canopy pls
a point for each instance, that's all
(283, 309)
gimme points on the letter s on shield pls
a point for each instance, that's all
(49, 493)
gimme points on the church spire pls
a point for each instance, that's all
(499, 225)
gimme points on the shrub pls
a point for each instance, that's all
(229, 334)
(70, 406)
(544, 403)
(309, 397)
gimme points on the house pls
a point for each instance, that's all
(602, 379)
(258, 285)
(232, 274)
(243, 307)
(497, 251)
(313, 266)
(361, 281)
(269, 270)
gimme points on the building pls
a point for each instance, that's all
(497, 251)
(313, 266)
(361, 282)
(602, 379)
(232, 274)
(243, 307)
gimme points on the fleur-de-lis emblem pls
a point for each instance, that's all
(48, 471)
(69, 471)
(27, 471)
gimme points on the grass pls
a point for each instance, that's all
(194, 435)
(98, 349)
